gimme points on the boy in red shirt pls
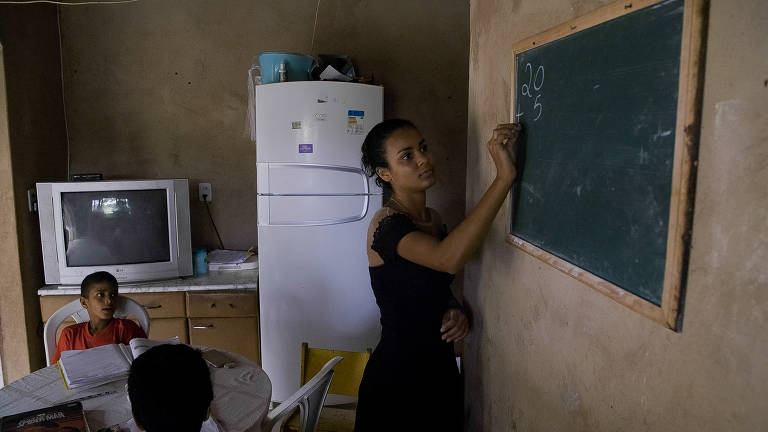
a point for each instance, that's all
(98, 294)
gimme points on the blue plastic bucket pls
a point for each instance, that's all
(297, 66)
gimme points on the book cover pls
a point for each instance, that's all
(68, 417)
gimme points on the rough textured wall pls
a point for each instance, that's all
(548, 353)
(158, 89)
(12, 332)
(419, 52)
(37, 140)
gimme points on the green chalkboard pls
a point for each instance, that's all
(599, 110)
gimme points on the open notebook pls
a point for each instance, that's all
(103, 364)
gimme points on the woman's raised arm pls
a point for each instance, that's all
(451, 253)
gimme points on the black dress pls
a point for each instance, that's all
(411, 381)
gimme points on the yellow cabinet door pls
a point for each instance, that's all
(165, 328)
(238, 335)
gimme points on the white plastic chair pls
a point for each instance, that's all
(309, 398)
(74, 309)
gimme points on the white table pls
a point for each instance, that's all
(241, 396)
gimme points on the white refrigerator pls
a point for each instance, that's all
(314, 207)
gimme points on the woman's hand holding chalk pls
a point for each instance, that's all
(502, 152)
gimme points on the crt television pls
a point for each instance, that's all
(138, 230)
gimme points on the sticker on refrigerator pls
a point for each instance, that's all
(295, 125)
(306, 148)
(355, 123)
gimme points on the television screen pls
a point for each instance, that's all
(115, 227)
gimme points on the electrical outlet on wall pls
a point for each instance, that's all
(32, 200)
(205, 189)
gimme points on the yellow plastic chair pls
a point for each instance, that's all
(348, 373)
(346, 382)
(308, 399)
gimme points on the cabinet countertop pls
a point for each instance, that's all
(214, 280)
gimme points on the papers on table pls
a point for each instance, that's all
(330, 73)
(223, 256)
(139, 345)
(103, 364)
(94, 366)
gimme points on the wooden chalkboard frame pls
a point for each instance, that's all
(685, 153)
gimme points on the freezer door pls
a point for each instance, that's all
(312, 194)
(287, 179)
(315, 121)
(311, 210)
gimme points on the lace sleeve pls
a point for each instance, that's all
(388, 234)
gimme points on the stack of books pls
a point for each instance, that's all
(96, 366)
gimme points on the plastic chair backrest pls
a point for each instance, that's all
(309, 398)
(74, 309)
(348, 373)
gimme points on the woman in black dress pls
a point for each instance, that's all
(411, 381)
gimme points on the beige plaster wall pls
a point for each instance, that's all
(418, 50)
(549, 353)
(157, 89)
(32, 149)
(12, 333)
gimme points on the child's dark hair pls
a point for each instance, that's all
(94, 278)
(373, 147)
(170, 389)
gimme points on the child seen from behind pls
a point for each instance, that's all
(98, 295)
(170, 389)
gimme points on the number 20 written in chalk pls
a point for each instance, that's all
(535, 80)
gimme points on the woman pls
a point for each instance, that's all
(411, 381)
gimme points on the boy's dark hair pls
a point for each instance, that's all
(94, 278)
(170, 389)
(373, 151)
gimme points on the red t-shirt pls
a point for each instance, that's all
(77, 336)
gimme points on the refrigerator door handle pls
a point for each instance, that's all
(365, 204)
(270, 180)
(312, 194)
(269, 196)
(334, 221)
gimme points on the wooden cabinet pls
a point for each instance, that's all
(239, 335)
(161, 304)
(50, 304)
(164, 328)
(219, 319)
(222, 304)
(225, 320)
(167, 313)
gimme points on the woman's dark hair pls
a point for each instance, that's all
(373, 147)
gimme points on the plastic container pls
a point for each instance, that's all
(200, 261)
(298, 67)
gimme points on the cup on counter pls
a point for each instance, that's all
(200, 261)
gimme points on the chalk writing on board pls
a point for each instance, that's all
(535, 80)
